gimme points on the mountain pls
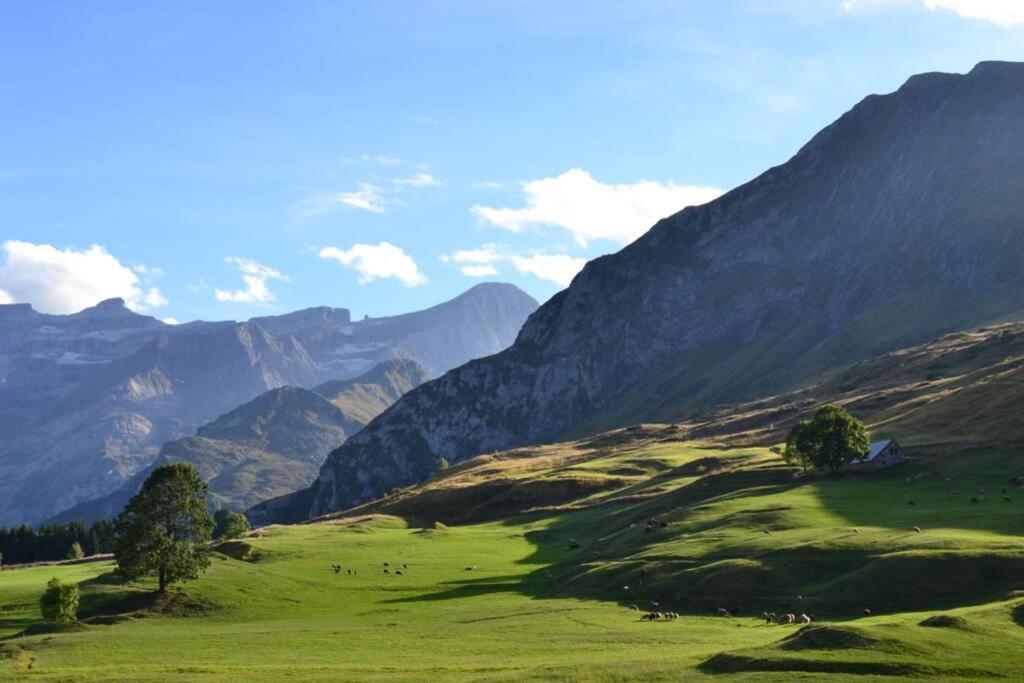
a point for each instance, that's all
(273, 444)
(87, 400)
(369, 395)
(901, 221)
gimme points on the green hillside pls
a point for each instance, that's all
(565, 538)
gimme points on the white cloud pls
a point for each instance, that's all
(479, 271)
(255, 276)
(419, 180)
(379, 261)
(67, 280)
(480, 262)
(488, 253)
(558, 268)
(6, 298)
(592, 210)
(1001, 12)
(171, 321)
(367, 197)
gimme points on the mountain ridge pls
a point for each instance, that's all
(894, 224)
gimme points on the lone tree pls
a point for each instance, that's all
(829, 441)
(161, 527)
(799, 445)
(59, 603)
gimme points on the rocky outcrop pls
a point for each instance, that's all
(902, 220)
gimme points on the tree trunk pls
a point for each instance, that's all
(163, 578)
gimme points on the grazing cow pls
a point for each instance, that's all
(625, 588)
(975, 500)
(471, 568)
(787, 618)
(398, 572)
(405, 566)
(634, 608)
(867, 612)
(722, 612)
(650, 616)
(1007, 499)
(386, 571)
(804, 619)
(910, 502)
(856, 531)
(387, 564)
(768, 618)
(916, 529)
(350, 572)
(664, 525)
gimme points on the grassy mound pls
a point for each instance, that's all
(44, 627)
(727, 663)
(818, 637)
(946, 621)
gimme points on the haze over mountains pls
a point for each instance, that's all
(87, 400)
(901, 221)
(274, 444)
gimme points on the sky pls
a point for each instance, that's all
(233, 159)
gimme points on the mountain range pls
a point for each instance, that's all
(273, 444)
(901, 221)
(88, 400)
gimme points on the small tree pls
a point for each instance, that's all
(228, 524)
(76, 552)
(59, 603)
(161, 527)
(836, 438)
(800, 446)
(442, 464)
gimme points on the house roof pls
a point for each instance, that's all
(873, 450)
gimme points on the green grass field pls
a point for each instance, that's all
(548, 597)
(567, 537)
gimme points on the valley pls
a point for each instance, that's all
(565, 538)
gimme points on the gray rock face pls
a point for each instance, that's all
(87, 400)
(273, 444)
(902, 220)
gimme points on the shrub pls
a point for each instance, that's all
(60, 602)
(442, 464)
(228, 525)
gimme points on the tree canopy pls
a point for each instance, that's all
(160, 529)
(829, 441)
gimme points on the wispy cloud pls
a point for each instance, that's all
(592, 210)
(481, 262)
(255, 277)
(419, 180)
(377, 261)
(1001, 12)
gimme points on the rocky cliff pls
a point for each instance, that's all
(902, 220)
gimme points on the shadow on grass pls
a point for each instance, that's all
(596, 553)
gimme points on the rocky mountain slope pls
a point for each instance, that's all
(87, 400)
(273, 444)
(902, 220)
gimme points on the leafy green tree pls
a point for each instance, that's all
(59, 603)
(836, 437)
(76, 552)
(228, 524)
(800, 446)
(442, 464)
(160, 529)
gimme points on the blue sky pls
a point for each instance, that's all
(230, 159)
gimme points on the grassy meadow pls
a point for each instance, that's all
(549, 599)
(565, 539)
